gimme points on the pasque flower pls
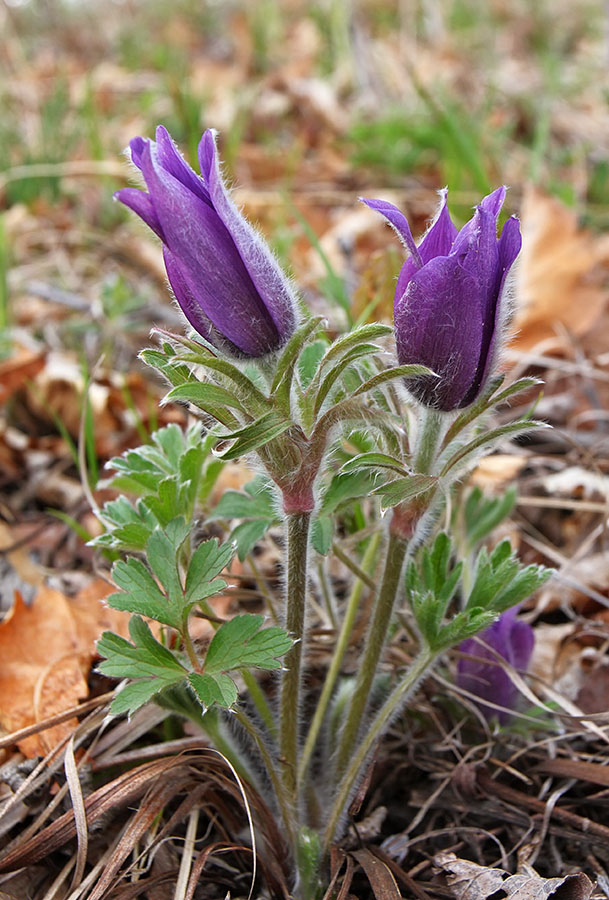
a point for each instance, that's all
(223, 275)
(508, 638)
(449, 300)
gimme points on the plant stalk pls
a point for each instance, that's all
(390, 708)
(296, 588)
(377, 632)
(338, 656)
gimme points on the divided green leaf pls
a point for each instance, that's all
(154, 666)
(242, 643)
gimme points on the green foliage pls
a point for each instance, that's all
(237, 644)
(500, 581)
(153, 666)
(256, 505)
(483, 514)
(335, 495)
(170, 477)
(433, 582)
(242, 642)
(158, 590)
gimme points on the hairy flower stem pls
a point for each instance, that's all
(296, 588)
(338, 656)
(286, 810)
(396, 551)
(432, 423)
(390, 708)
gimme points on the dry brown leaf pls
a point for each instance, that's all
(46, 651)
(497, 470)
(21, 561)
(559, 278)
(469, 881)
(14, 372)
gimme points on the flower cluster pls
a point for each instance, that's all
(449, 299)
(482, 674)
(224, 277)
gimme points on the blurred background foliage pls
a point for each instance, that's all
(316, 102)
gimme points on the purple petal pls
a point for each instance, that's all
(140, 203)
(213, 268)
(190, 305)
(269, 282)
(137, 145)
(522, 643)
(509, 246)
(173, 162)
(491, 206)
(438, 323)
(492, 203)
(437, 242)
(509, 638)
(399, 223)
(508, 249)
(481, 260)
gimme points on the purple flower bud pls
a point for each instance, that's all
(448, 299)
(224, 277)
(509, 638)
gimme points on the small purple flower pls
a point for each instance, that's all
(224, 277)
(448, 306)
(509, 638)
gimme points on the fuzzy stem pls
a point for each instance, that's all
(280, 794)
(296, 589)
(259, 700)
(383, 718)
(190, 650)
(338, 656)
(396, 551)
(432, 425)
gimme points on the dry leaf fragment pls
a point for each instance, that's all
(469, 881)
(533, 887)
(559, 278)
(46, 651)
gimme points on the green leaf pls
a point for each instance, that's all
(248, 393)
(488, 399)
(255, 501)
(170, 440)
(411, 371)
(308, 361)
(483, 514)
(322, 533)
(175, 372)
(254, 435)
(141, 593)
(401, 489)
(356, 353)
(136, 694)
(162, 556)
(242, 642)
(284, 371)
(374, 460)
(489, 438)
(208, 560)
(205, 395)
(146, 659)
(213, 689)
(500, 580)
(247, 534)
(465, 624)
(346, 487)
(361, 335)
